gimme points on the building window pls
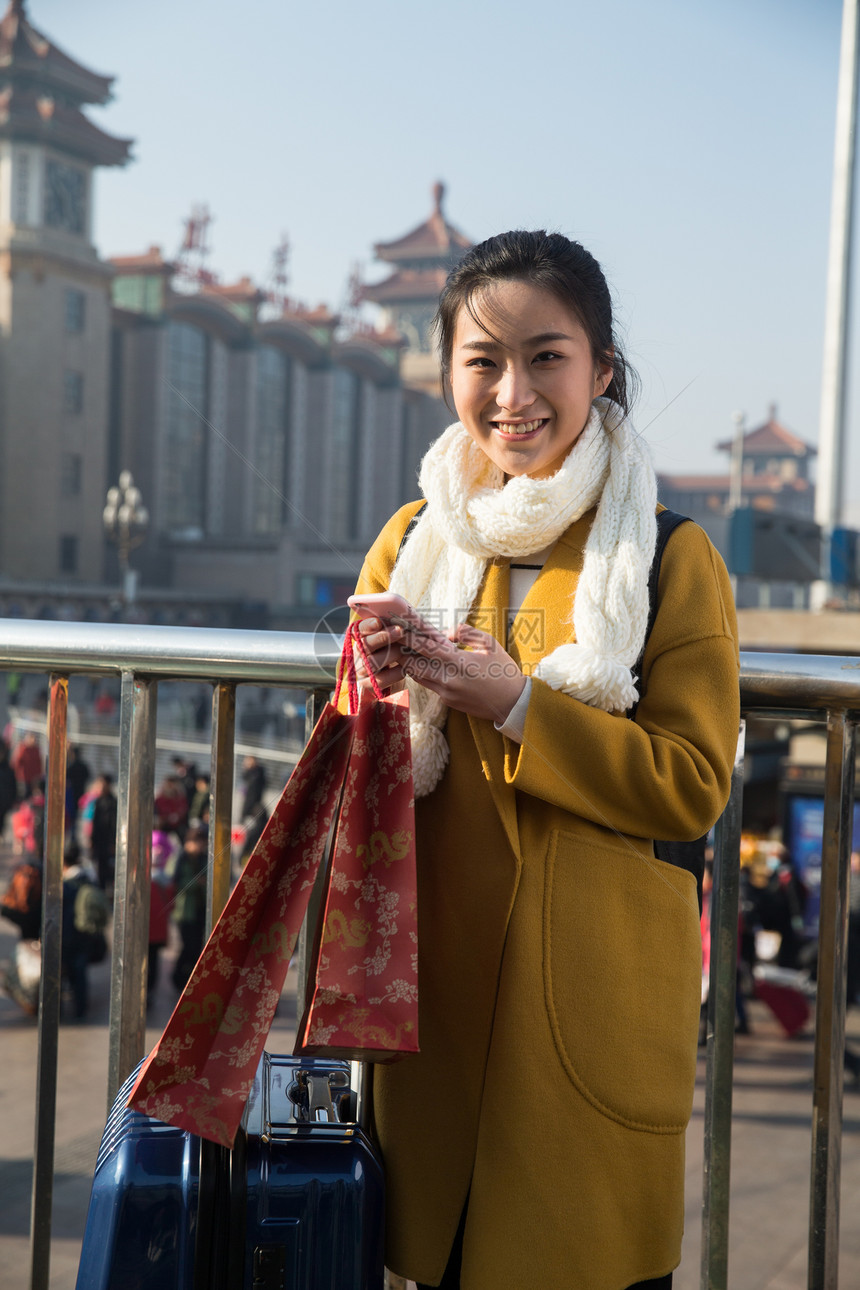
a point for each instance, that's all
(76, 306)
(21, 198)
(183, 470)
(70, 474)
(65, 197)
(270, 454)
(73, 392)
(346, 436)
(68, 554)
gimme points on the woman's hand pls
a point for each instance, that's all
(381, 641)
(469, 669)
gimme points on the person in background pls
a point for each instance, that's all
(775, 899)
(199, 811)
(83, 932)
(28, 823)
(186, 772)
(8, 785)
(21, 902)
(27, 764)
(171, 806)
(161, 891)
(77, 779)
(254, 781)
(189, 906)
(103, 831)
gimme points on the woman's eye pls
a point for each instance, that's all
(546, 356)
(479, 362)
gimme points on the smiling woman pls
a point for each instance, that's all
(557, 955)
(523, 377)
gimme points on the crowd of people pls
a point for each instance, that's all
(180, 835)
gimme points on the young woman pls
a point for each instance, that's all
(538, 1138)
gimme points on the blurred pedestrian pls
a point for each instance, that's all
(189, 906)
(103, 830)
(77, 779)
(85, 916)
(28, 824)
(254, 781)
(160, 900)
(21, 903)
(27, 765)
(171, 806)
(186, 772)
(8, 785)
(776, 899)
(199, 811)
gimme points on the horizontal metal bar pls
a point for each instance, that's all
(799, 682)
(792, 683)
(302, 659)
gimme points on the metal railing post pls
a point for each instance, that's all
(721, 1034)
(131, 883)
(830, 1003)
(50, 988)
(221, 801)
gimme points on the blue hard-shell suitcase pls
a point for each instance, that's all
(297, 1204)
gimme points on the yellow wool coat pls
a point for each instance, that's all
(559, 961)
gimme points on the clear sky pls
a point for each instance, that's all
(687, 143)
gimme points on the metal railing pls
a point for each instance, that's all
(823, 688)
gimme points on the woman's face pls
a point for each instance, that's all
(526, 396)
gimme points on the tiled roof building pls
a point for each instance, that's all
(422, 260)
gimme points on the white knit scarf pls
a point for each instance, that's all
(473, 515)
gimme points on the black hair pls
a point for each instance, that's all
(555, 263)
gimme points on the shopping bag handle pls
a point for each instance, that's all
(346, 667)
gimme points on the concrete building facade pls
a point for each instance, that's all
(269, 443)
(54, 308)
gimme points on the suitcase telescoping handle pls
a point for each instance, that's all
(318, 1095)
(361, 1079)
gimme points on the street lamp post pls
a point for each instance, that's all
(126, 520)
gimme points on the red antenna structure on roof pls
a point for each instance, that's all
(276, 289)
(194, 251)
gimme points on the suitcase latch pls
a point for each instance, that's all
(270, 1267)
(311, 1094)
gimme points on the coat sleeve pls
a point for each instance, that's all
(667, 774)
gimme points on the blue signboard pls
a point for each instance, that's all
(805, 831)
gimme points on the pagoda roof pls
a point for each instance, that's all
(27, 55)
(151, 261)
(406, 284)
(320, 316)
(27, 113)
(434, 240)
(242, 292)
(771, 439)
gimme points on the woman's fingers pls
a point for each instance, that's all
(474, 638)
(376, 635)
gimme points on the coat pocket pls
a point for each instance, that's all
(622, 978)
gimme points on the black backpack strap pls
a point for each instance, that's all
(684, 855)
(667, 522)
(410, 526)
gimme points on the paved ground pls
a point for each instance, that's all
(770, 1151)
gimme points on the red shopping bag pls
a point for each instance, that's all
(200, 1072)
(365, 978)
